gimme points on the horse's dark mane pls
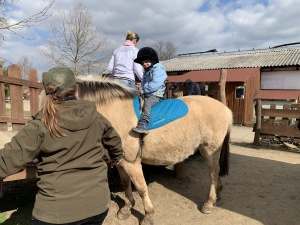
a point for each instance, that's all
(104, 90)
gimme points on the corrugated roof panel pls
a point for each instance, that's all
(266, 58)
(295, 58)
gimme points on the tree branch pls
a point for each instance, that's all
(27, 22)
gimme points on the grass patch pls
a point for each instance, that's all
(2, 218)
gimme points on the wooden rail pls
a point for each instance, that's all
(277, 122)
(15, 84)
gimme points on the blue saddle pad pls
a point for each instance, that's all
(163, 112)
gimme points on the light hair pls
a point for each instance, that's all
(53, 103)
(131, 36)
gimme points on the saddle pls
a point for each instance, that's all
(163, 112)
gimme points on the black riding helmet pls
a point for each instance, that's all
(147, 53)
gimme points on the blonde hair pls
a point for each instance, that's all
(131, 36)
(52, 103)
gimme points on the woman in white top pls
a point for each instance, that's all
(122, 65)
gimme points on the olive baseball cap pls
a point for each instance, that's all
(61, 76)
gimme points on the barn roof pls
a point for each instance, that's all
(233, 75)
(249, 59)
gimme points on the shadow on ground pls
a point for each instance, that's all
(19, 197)
(264, 190)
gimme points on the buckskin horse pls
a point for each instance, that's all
(205, 125)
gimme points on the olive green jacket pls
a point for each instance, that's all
(72, 176)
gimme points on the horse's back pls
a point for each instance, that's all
(209, 112)
(207, 123)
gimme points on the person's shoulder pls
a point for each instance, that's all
(38, 115)
(81, 103)
(158, 66)
(102, 119)
(134, 49)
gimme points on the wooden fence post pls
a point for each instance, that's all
(169, 94)
(3, 126)
(34, 92)
(258, 121)
(222, 84)
(16, 96)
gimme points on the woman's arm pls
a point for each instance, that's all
(23, 148)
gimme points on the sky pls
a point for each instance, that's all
(191, 25)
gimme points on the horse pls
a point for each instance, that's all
(205, 128)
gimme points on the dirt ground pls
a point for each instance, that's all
(262, 188)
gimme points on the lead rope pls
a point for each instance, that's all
(141, 141)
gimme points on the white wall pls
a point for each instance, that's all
(284, 80)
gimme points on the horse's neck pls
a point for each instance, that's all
(119, 113)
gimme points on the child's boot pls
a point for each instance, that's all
(142, 127)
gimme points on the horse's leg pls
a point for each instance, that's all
(214, 169)
(219, 188)
(125, 211)
(135, 172)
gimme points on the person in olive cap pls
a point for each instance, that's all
(69, 137)
(153, 85)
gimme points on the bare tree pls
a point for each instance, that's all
(165, 50)
(30, 21)
(75, 41)
(24, 64)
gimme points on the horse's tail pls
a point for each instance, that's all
(224, 156)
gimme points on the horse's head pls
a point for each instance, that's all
(103, 90)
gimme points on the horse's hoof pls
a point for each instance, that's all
(207, 209)
(123, 213)
(148, 220)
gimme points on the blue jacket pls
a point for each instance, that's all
(154, 80)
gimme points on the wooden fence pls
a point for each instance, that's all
(283, 123)
(16, 118)
(16, 84)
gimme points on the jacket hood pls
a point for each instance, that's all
(77, 115)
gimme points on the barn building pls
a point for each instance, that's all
(267, 74)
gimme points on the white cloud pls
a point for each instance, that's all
(194, 25)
